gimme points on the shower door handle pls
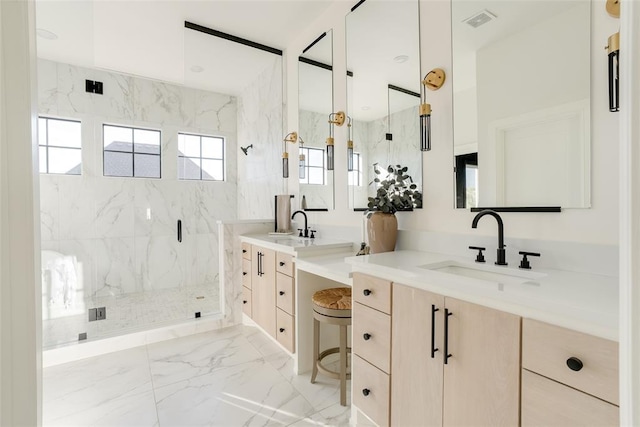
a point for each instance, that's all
(180, 230)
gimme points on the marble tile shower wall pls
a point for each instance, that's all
(123, 230)
(260, 122)
(314, 131)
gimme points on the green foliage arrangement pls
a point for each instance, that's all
(396, 192)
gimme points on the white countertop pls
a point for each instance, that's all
(583, 302)
(294, 245)
(330, 266)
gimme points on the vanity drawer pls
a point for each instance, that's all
(284, 264)
(371, 391)
(246, 251)
(372, 291)
(371, 336)
(285, 293)
(285, 330)
(549, 403)
(246, 273)
(547, 348)
(246, 301)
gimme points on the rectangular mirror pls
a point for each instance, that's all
(383, 91)
(521, 82)
(315, 92)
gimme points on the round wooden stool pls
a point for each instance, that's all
(332, 306)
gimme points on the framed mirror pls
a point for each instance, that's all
(383, 91)
(315, 71)
(521, 82)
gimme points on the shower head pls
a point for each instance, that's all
(246, 149)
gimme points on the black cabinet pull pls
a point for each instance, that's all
(447, 313)
(574, 364)
(366, 337)
(180, 230)
(259, 263)
(244, 251)
(366, 391)
(281, 329)
(244, 273)
(244, 301)
(366, 292)
(281, 293)
(433, 330)
(281, 263)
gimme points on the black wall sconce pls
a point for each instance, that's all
(245, 150)
(613, 51)
(432, 81)
(334, 119)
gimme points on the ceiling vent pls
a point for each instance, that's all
(480, 18)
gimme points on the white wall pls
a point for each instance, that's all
(20, 324)
(596, 225)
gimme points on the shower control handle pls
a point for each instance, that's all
(180, 230)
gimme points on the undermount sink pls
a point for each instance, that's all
(494, 274)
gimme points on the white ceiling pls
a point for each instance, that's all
(148, 38)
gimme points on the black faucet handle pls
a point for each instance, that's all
(313, 236)
(300, 232)
(480, 256)
(524, 263)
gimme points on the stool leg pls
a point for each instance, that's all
(316, 349)
(343, 365)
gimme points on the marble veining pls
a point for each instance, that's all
(122, 231)
(217, 378)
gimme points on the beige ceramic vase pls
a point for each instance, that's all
(382, 230)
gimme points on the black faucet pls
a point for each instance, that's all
(501, 252)
(306, 229)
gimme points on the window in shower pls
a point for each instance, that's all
(131, 152)
(315, 168)
(200, 157)
(60, 146)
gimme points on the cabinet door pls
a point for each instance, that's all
(549, 403)
(416, 378)
(482, 376)
(263, 288)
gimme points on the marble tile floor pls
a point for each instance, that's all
(229, 377)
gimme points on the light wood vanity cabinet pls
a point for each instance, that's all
(404, 385)
(263, 288)
(477, 384)
(371, 342)
(568, 378)
(246, 279)
(270, 290)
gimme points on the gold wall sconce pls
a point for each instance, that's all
(432, 81)
(293, 138)
(613, 51)
(334, 119)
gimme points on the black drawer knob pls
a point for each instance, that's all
(574, 364)
(366, 391)
(244, 273)
(366, 337)
(281, 329)
(366, 292)
(244, 251)
(244, 301)
(281, 293)
(281, 263)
